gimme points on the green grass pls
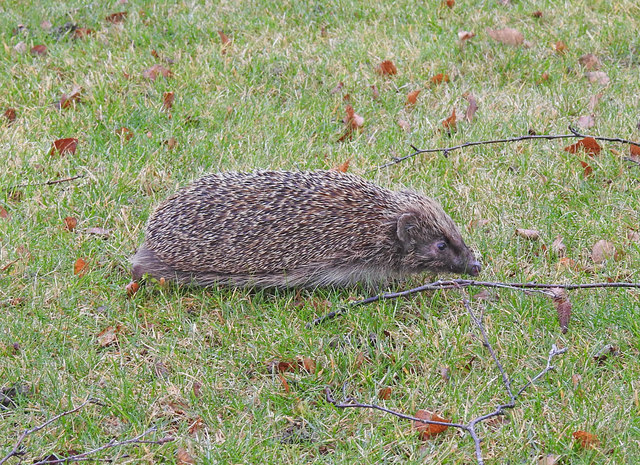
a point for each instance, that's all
(266, 103)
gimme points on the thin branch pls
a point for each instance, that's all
(45, 183)
(27, 432)
(470, 427)
(631, 160)
(113, 443)
(446, 150)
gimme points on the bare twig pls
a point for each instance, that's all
(631, 160)
(45, 183)
(446, 150)
(85, 456)
(470, 427)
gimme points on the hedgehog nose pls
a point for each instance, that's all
(474, 269)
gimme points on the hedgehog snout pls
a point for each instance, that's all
(475, 268)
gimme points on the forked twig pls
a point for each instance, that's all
(45, 183)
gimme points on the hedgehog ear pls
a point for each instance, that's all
(407, 222)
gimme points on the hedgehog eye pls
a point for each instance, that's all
(441, 245)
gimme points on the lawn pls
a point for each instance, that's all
(199, 364)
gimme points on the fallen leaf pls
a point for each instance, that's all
(404, 125)
(80, 267)
(116, 18)
(39, 50)
(593, 101)
(171, 143)
(450, 123)
(450, 3)
(64, 146)
(586, 440)
(284, 382)
(281, 366)
(360, 359)
(4, 214)
(589, 145)
(386, 68)
(560, 47)
(634, 151)
(606, 353)
(124, 133)
(223, 38)
(46, 24)
(352, 121)
(346, 97)
(440, 78)
(589, 61)
(558, 247)
(167, 100)
(132, 288)
(343, 167)
(563, 307)
(10, 114)
(633, 236)
(412, 97)
(588, 171)
(183, 457)
(575, 379)
(530, 234)
(374, 92)
(472, 108)
(67, 99)
(384, 393)
(537, 14)
(602, 251)
(426, 430)
(544, 77)
(465, 35)
(99, 232)
(507, 36)
(587, 121)
(155, 71)
(549, 459)
(338, 88)
(70, 223)
(82, 33)
(309, 365)
(197, 389)
(599, 77)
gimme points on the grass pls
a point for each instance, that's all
(266, 103)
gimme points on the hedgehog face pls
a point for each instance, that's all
(434, 246)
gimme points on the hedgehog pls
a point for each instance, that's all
(280, 229)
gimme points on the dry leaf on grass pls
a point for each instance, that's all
(507, 36)
(472, 108)
(343, 167)
(404, 125)
(352, 121)
(67, 99)
(384, 393)
(530, 234)
(465, 35)
(586, 440)
(563, 307)
(183, 457)
(102, 232)
(560, 47)
(558, 247)
(450, 123)
(124, 134)
(64, 146)
(374, 92)
(440, 78)
(39, 50)
(167, 100)
(386, 68)
(549, 459)
(426, 430)
(10, 114)
(589, 61)
(597, 77)
(132, 288)
(586, 121)
(589, 145)
(155, 71)
(588, 171)
(80, 267)
(116, 18)
(602, 251)
(70, 223)
(4, 214)
(109, 335)
(412, 98)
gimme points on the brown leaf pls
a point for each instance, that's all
(46, 24)
(563, 307)
(107, 336)
(412, 97)
(337, 88)
(575, 379)
(606, 353)
(385, 393)
(450, 3)
(171, 143)
(183, 457)
(593, 101)
(284, 382)
(82, 33)
(602, 251)
(281, 366)
(634, 151)
(537, 14)
(20, 47)
(70, 223)
(404, 125)
(386, 68)
(80, 267)
(67, 99)
(132, 288)
(10, 114)
(99, 232)
(599, 77)
(352, 121)
(360, 359)
(560, 47)
(549, 459)
(116, 17)
(586, 440)
(589, 61)
(465, 35)
(223, 38)
(64, 146)
(342, 167)
(450, 123)
(39, 50)
(426, 430)
(472, 108)
(589, 145)
(544, 77)
(558, 247)
(507, 36)
(588, 171)
(530, 234)
(4, 214)
(587, 121)
(374, 92)
(197, 389)
(440, 78)
(124, 133)
(309, 365)
(167, 100)
(155, 71)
